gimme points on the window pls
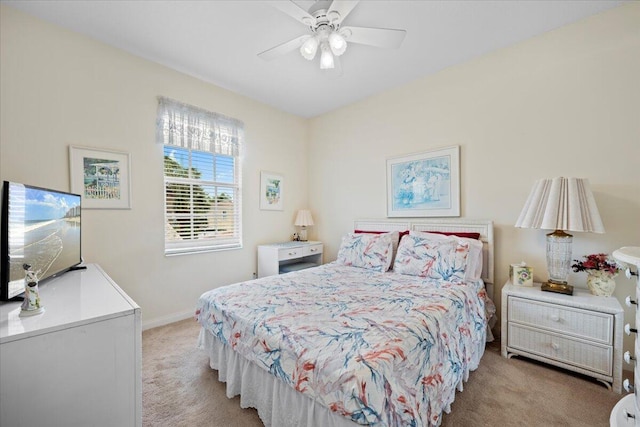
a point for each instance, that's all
(202, 190)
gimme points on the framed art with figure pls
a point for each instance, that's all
(271, 187)
(424, 184)
(101, 177)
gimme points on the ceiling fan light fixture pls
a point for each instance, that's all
(309, 48)
(337, 43)
(326, 58)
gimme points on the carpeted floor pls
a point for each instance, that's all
(179, 389)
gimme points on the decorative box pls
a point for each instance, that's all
(521, 275)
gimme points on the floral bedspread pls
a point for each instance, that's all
(382, 349)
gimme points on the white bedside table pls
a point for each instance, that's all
(579, 332)
(278, 258)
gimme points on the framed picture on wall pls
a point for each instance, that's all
(101, 177)
(424, 184)
(271, 191)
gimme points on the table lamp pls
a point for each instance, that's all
(560, 204)
(304, 220)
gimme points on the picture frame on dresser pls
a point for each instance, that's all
(424, 184)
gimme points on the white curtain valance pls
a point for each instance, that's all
(197, 129)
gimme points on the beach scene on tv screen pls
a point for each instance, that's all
(44, 232)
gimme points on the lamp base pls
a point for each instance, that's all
(561, 288)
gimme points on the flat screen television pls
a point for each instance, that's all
(40, 227)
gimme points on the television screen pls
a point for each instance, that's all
(40, 227)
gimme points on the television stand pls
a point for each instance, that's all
(78, 363)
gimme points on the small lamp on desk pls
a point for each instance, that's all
(560, 204)
(304, 220)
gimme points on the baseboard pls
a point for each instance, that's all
(165, 320)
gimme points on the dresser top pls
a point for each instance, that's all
(628, 254)
(292, 244)
(580, 298)
(71, 299)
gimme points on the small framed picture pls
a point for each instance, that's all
(101, 177)
(424, 184)
(271, 191)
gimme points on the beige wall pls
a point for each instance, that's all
(566, 103)
(59, 89)
(562, 104)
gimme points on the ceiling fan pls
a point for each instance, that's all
(327, 34)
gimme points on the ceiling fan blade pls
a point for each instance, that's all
(283, 48)
(343, 7)
(294, 11)
(379, 37)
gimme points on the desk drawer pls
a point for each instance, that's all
(312, 250)
(586, 324)
(289, 253)
(585, 355)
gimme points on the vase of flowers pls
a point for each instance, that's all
(601, 271)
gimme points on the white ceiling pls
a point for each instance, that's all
(217, 41)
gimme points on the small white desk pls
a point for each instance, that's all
(278, 258)
(77, 364)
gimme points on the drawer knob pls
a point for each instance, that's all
(555, 346)
(555, 317)
(629, 302)
(628, 329)
(628, 357)
(627, 385)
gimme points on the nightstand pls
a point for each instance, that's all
(579, 332)
(278, 258)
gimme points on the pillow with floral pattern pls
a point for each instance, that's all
(371, 251)
(435, 259)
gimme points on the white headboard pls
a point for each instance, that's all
(484, 227)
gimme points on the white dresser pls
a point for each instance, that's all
(77, 364)
(627, 410)
(277, 258)
(579, 332)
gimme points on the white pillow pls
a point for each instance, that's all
(372, 251)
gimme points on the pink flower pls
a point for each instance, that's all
(596, 262)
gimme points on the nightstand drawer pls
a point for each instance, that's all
(289, 253)
(590, 325)
(590, 356)
(312, 250)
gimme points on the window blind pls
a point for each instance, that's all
(201, 178)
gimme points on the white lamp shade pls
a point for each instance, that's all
(326, 57)
(337, 43)
(561, 204)
(309, 48)
(304, 218)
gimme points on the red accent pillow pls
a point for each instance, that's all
(468, 235)
(400, 233)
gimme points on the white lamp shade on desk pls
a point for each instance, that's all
(561, 204)
(304, 220)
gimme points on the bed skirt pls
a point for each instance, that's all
(277, 403)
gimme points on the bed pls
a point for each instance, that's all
(383, 336)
